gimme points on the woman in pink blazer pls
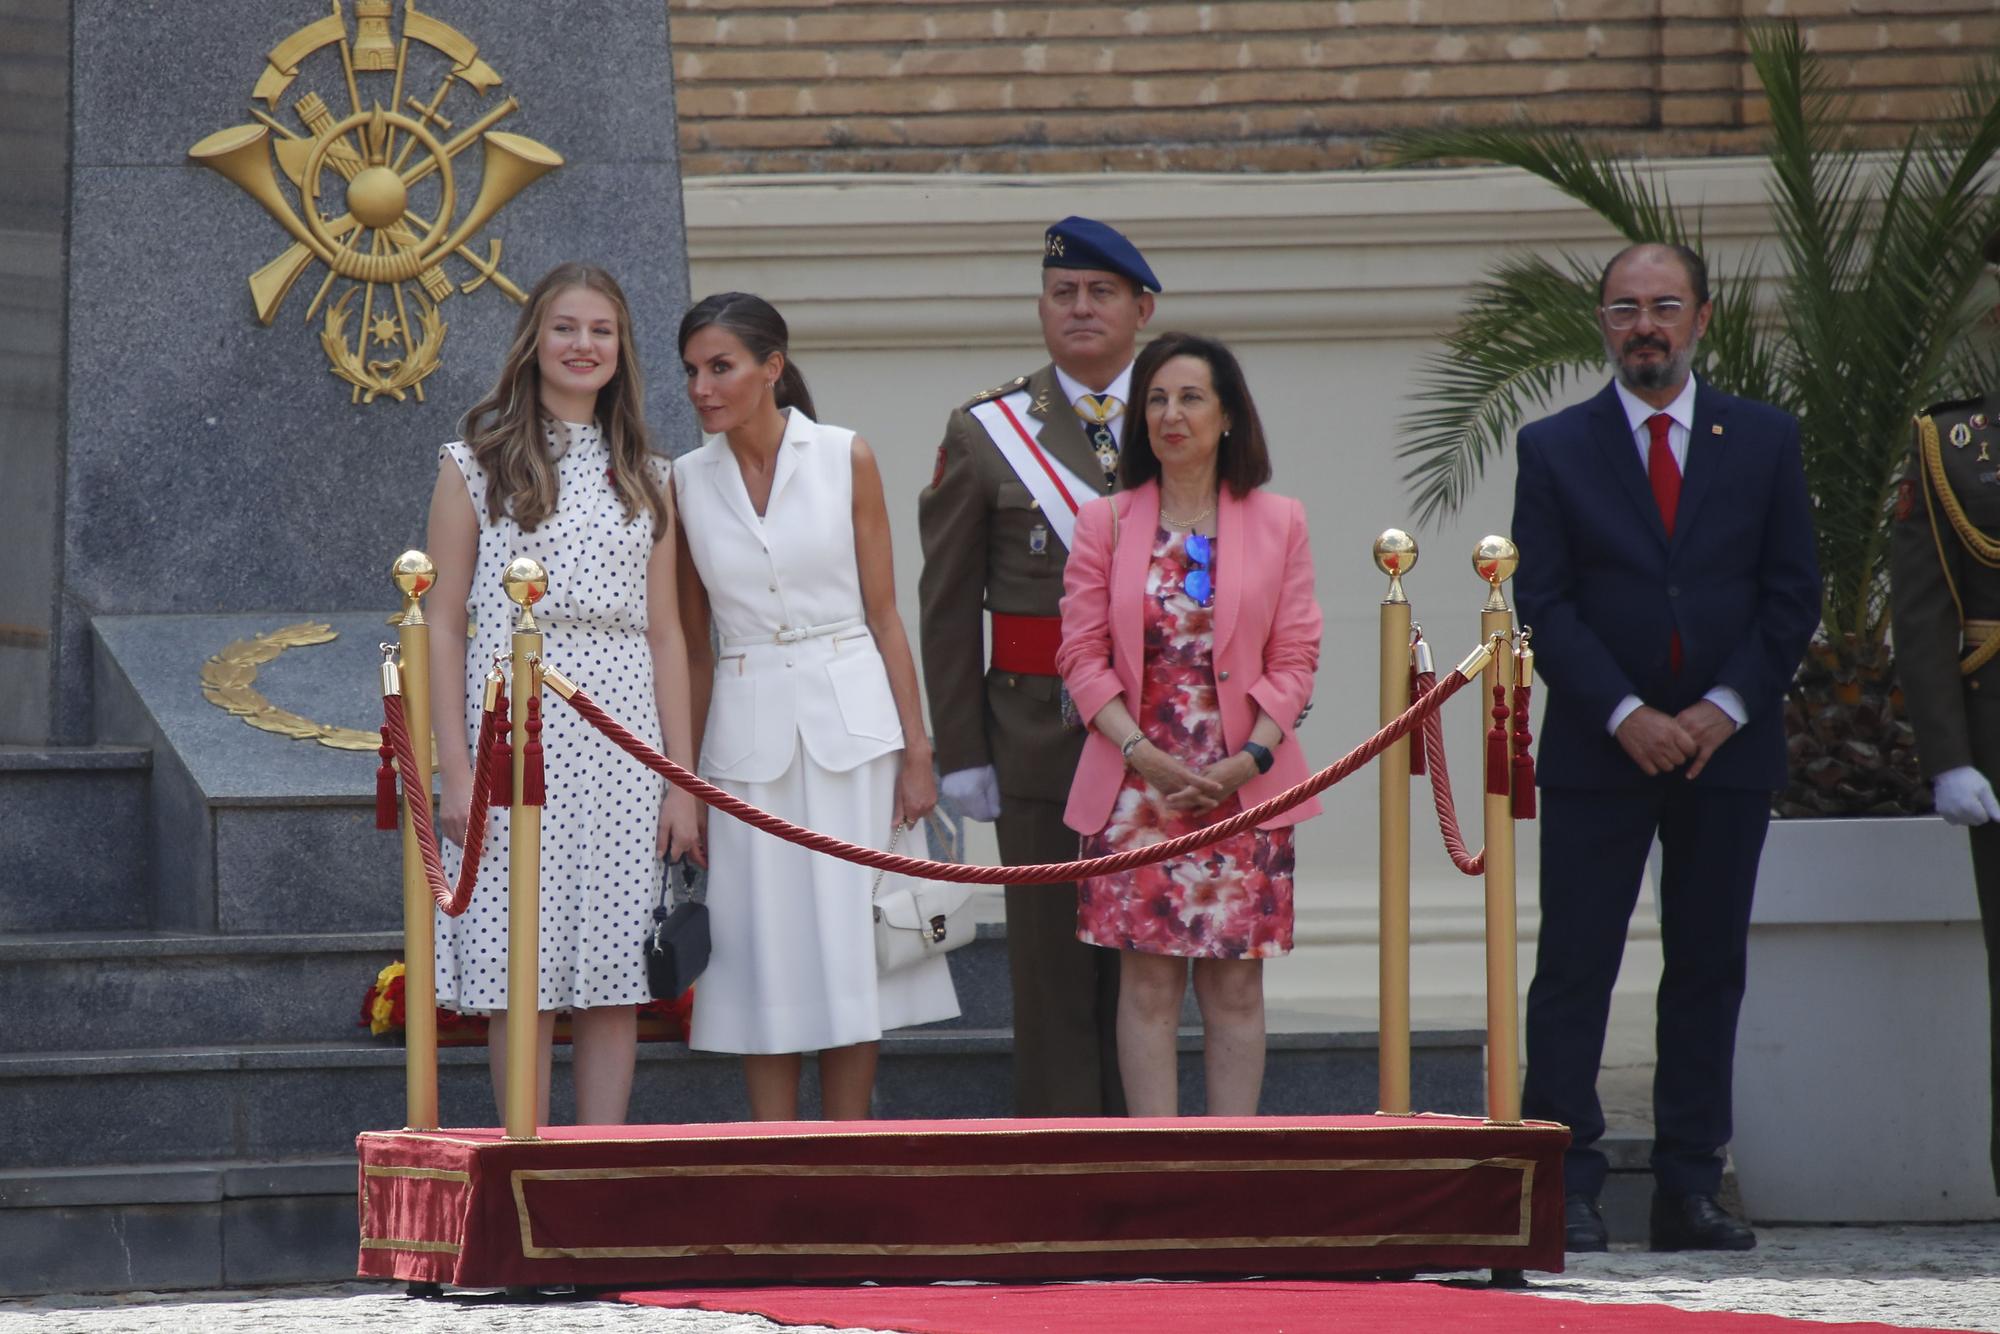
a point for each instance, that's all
(1190, 638)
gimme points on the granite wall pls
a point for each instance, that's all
(211, 464)
(34, 149)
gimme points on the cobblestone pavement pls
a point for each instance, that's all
(1936, 1277)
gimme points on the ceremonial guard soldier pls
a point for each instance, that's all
(1945, 600)
(996, 522)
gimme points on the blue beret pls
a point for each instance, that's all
(1083, 243)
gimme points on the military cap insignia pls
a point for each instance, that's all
(1055, 247)
(1961, 435)
(986, 396)
(1978, 421)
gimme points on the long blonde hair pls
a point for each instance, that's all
(505, 433)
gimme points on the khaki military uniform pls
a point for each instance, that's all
(989, 548)
(1945, 600)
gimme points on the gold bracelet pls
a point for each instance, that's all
(1131, 743)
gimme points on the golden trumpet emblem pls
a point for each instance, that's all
(391, 169)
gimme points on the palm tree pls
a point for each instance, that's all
(1871, 317)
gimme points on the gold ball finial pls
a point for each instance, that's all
(525, 580)
(1495, 559)
(414, 573)
(1395, 552)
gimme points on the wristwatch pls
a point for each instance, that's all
(1131, 743)
(1260, 755)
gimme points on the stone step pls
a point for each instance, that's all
(274, 1101)
(177, 1225)
(73, 845)
(103, 991)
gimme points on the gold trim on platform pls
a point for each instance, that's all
(533, 1251)
(369, 1243)
(226, 683)
(420, 1174)
(398, 1244)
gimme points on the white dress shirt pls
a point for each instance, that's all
(1120, 388)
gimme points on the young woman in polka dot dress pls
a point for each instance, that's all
(555, 465)
(811, 711)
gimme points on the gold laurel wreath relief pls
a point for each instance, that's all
(383, 335)
(226, 682)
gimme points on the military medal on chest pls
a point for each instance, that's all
(1038, 540)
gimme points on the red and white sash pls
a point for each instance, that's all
(1055, 488)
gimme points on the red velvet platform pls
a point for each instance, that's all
(897, 1200)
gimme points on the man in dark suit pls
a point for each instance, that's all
(1668, 572)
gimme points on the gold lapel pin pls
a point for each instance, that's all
(1715, 429)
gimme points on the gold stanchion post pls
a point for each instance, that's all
(1494, 559)
(1395, 556)
(525, 581)
(414, 574)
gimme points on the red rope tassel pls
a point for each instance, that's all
(531, 771)
(1496, 746)
(1524, 760)
(500, 758)
(385, 784)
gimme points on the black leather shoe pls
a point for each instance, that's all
(1583, 1225)
(1697, 1223)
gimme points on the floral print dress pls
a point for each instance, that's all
(1231, 900)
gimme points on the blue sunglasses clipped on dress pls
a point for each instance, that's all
(1200, 584)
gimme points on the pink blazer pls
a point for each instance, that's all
(1267, 628)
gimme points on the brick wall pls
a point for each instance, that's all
(1260, 85)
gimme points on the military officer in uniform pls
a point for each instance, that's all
(996, 519)
(1945, 603)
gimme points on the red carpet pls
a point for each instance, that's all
(907, 1201)
(1252, 1307)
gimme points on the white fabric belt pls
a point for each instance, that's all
(792, 634)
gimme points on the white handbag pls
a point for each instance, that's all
(917, 919)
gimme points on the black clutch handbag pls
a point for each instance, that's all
(677, 946)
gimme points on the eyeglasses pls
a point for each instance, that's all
(1665, 313)
(1200, 584)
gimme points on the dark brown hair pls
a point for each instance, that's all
(505, 429)
(1242, 462)
(761, 329)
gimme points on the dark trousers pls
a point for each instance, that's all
(1065, 992)
(1986, 875)
(1594, 849)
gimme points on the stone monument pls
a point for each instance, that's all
(264, 255)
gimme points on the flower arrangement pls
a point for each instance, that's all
(382, 1014)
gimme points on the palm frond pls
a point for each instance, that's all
(1525, 332)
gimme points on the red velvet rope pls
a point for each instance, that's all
(1046, 873)
(396, 731)
(1454, 841)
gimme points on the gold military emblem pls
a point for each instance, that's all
(1055, 246)
(377, 195)
(1961, 435)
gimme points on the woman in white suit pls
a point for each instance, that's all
(811, 710)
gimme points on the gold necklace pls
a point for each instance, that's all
(1171, 522)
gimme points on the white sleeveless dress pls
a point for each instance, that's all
(600, 872)
(801, 723)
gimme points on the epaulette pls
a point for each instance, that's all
(988, 395)
(1952, 405)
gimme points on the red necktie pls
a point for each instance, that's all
(1665, 476)
(1661, 469)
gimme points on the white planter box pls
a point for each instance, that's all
(1861, 1059)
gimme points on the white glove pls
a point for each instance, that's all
(1964, 797)
(973, 793)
